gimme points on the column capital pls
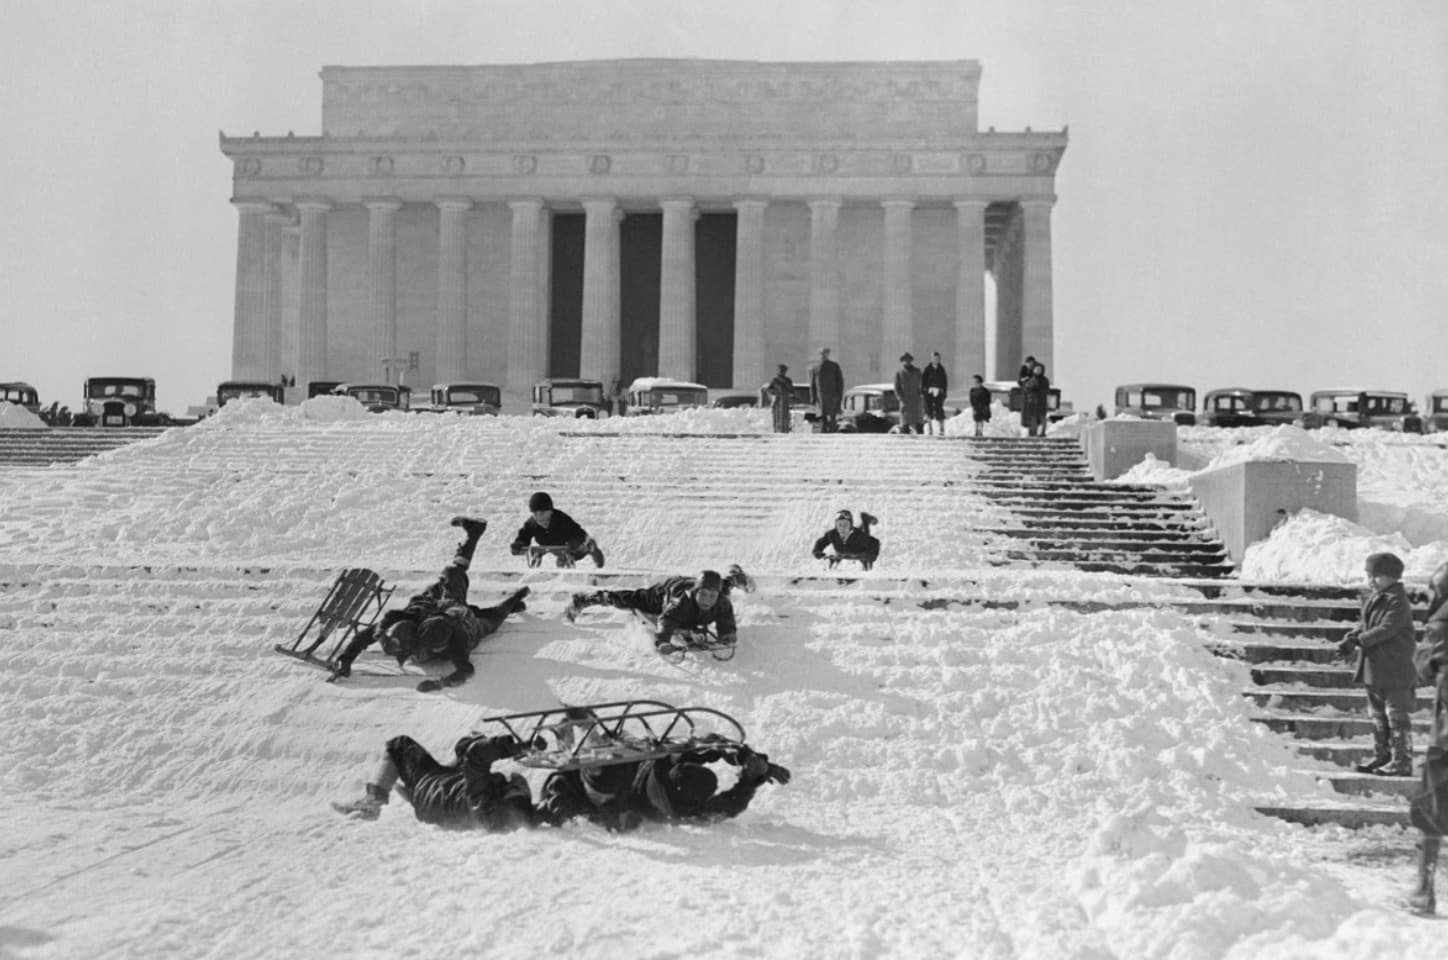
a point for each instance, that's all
(897, 203)
(667, 202)
(825, 203)
(751, 203)
(312, 204)
(524, 203)
(276, 215)
(382, 203)
(1037, 202)
(601, 204)
(253, 205)
(969, 203)
(453, 203)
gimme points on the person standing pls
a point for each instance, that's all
(910, 394)
(781, 391)
(827, 386)
(935, 385)
(1037, 390)
(1383, 643)
(1429, 809)
(980, 404)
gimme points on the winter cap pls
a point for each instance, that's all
(540, 501)
(845, 515)
(784, 368)
(709, 580)
(1385, 564)
(906, 357)
(690, 784)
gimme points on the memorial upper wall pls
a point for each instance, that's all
(658, 101)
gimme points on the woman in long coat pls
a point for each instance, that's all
(781, 392)
(909, 390)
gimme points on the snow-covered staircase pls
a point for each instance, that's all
(38, 448)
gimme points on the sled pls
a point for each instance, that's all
(833, 560)
(685, 642)
(561, 556)
(354, 603)
(605, 734)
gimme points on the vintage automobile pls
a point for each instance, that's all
(318, 388)
(1158, 401)
(801, 398)
(119, 402)
(377, 397)
(569, 397)
(1276, 407)
(649, 395)
(1435, 412)
(735, 398)
(1012, 396)
(475, 399)
(236, 389)
(20, 394)
(1228, 407)
(1352, 407)
(870, 408)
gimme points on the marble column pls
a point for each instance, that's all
(678, 331)
(291, 254)
(451, 361)
(276, 222)
(599, 350)
(969, 356)
(1037, 323)
(750, 364)
(248, 329)
(381, 361)
(824, 275)
(312, 291)
(527, 326)
(1008, 273)
(898, 334)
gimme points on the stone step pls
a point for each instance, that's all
(1295, 674)
(1369, 784)
(1106, 523)
(1355, 814)
(1326, 726)
(1077, 494)
(1345, 753)
(1349, 699)
(1195, 550)
(1105, 535)
(1134, 556)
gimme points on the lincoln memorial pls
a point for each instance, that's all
(697, 219)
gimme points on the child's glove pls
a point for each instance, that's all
(1348, 646)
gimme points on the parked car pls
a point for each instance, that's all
(735, 398)
(119, 402)
(318, 388)
(1435, 412)
(648, 395)
(1352, 407)
(1276, 407)
(378, 397)
(1158, 401)
(475, 399)
(20, 394)
(569, 397)
(801, 398)
(1228, 407)
(870, 408)
(1012, 396)
(236, 389)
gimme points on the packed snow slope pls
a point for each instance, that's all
(969, 781)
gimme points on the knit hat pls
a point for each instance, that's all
(690, 784)
(906, 357)
(540, 501)
(1384, 564)
(846, 515)
(709, 580)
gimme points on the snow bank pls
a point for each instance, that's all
(15, 417)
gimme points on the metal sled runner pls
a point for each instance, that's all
(561, 556)
(603, 734)
(354, 603)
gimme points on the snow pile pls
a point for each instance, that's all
(1156, 472)
(15, 417)
(1284, 443)
(1321, 548)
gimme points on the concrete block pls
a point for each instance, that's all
(1115, 446)
(1246, 500)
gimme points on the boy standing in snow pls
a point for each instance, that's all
(1383, 641)
(979, 405)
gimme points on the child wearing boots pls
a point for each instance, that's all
(1383, 643)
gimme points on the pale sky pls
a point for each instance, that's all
(1254, 191)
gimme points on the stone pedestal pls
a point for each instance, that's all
(1246, 500)
(1115, 446)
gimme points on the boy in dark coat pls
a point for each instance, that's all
(466, 794)
(934, 384)
(653, 599)
(553, 528)
(449, 589)
(666, 790)
(980, 404)
(1383, 642)
(695, 610)
(849, 540)
(1429, 809)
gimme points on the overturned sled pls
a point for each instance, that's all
(604, 734)
(354, 603)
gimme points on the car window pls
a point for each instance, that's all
(1440, 404)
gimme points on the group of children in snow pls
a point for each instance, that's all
(439, 624)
